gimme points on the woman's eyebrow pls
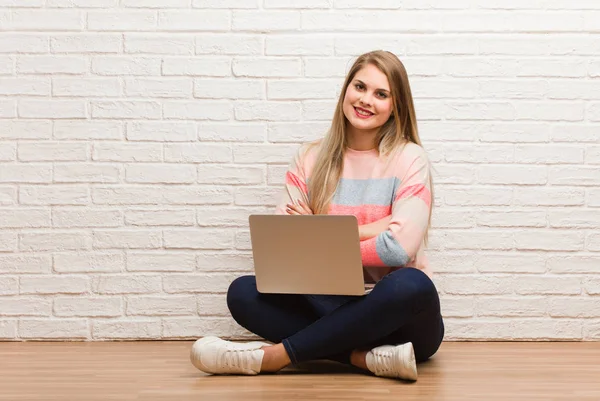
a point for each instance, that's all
(380, 89)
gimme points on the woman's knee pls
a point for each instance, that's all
(239, 293)
(409, 284)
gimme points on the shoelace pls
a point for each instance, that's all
(383, 361)
(236, 358)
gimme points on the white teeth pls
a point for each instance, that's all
(363, 113)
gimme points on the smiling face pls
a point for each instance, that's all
(368, 101)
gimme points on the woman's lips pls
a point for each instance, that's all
(367, 114)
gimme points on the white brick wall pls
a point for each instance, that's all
(136, 136)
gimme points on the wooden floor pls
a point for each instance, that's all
(162, 371)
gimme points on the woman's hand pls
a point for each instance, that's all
(367, 231)
(298, 207)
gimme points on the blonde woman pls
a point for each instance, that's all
(371, 165)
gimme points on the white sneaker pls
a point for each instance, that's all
(213, 355)
(396, 361)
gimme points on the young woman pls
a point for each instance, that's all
(370, 165)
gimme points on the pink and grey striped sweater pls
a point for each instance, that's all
(373, 187)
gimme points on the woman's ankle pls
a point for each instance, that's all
(275, 358)
(358, 358)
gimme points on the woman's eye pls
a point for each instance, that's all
(358, 86)
(382, 95)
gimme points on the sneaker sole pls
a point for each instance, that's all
(411, 367)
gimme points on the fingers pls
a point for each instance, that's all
(298, 207)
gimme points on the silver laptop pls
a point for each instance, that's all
(307, 254)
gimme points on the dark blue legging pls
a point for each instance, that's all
(404, 306)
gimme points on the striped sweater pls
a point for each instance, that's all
(371, 188)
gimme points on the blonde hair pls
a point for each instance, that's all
(401, 127)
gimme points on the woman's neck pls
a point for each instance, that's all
(361, 139)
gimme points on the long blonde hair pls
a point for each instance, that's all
(401, 127)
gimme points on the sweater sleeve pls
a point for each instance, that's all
(295, 183)
(399, 244)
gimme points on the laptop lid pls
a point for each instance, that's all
(307, 254)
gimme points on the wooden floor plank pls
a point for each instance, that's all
(162, 371)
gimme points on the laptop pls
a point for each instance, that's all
(307, 254)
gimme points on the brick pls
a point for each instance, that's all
(512, 218)
(198, 238)
(159, 44)
(127, 239)
(89, 262)
(25, 306)
(8, 195)
(54, 195)
(86, 217)
(242, 240)
(55, 151)
(219, 262)
(458, 306)
(87, 87)
(155, 3)
(272, 67)
(194, 20)
(25, 264)
(593, 242)
(198, 153)
(455, 174)
(315, 110)
(126, 109)
(574, 175)
(25, 129)
(549, 154)
(160, 217)
(160, 262)
(121, 20)
(161, 306)
(458, 153)
(479, 111)
(88, 130)
(159, 88)
(8, 329)
(229, 44)
(191, 328)
(549, 240)
(46, 20)
(520, 175)
(212, 305)
(226, 4)
(265, 21)
(514, 89)
(222, 217)
(198, 110)
(112, 65)
(37, 173)
(547, 285)
(202, 66)
(52, 109)
(8, 151)
(302, 89)
(163, 195)
(326, 67)
(126, 329)
(228, 89)
(578, 264)
(73, 65)
(548, 196)
(88, 307)
(54, 329)
(263, 153)
(23, 43)
(592, 155)
(9, 285)
(555, 111)
(81, 3)
(478, 239)
(55, 241)
(243, 132)
(302, 4)
(25, 86)
(160, 173)
(163, 131)
(86, 172)
(230, 174)
(296, 132)
(510, 262)
(574, 307)
(127, 152)
(198, 283)
(287, 45)
(54, 285)
(508, 307)
(389, 20)
(252, 111)
(257, 196)
(459, 284)
(86, 43)
(568, 218)
(24, 218)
